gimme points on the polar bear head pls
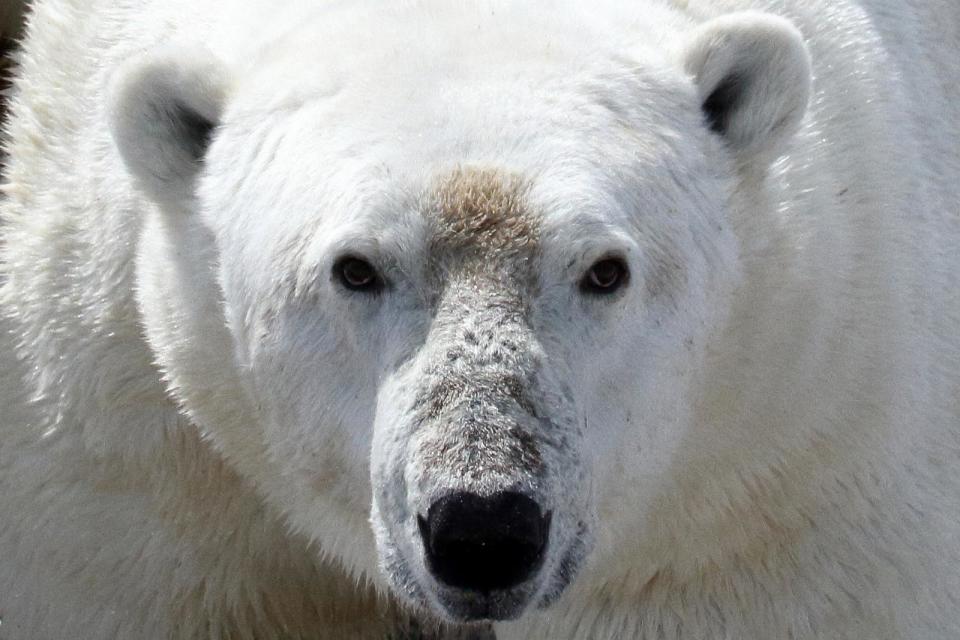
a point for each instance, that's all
(445, 300)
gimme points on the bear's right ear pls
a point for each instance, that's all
(164, 108)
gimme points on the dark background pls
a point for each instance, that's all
(11, 26)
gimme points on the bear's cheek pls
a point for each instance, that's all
(316, 410)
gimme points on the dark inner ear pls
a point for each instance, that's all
(723, 100)
(195, 130)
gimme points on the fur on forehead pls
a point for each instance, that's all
(482, 212)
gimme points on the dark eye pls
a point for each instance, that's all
(357, 274)
(605, 276)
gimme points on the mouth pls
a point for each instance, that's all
(484, 553)
(472, 559)
(494, 606)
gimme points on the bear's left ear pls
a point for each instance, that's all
(164, 108)
(753, 76)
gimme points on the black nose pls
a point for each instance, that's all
(484, 544)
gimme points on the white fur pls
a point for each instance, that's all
(767, 56)
(203, 437)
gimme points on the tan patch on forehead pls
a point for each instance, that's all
(483, 211)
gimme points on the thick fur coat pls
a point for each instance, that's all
(279, 278)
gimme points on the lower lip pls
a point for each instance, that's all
(477, 608)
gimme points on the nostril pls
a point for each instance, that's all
(484, 543)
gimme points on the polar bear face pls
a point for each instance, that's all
(449, 322)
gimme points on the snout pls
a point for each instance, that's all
(483, 544)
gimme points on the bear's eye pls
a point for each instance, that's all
(605, 277)
(357, 274)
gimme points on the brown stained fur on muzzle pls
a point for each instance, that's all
(483, 214)
(453, 390)
(477, 399)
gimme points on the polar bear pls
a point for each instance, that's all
(513, 319)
